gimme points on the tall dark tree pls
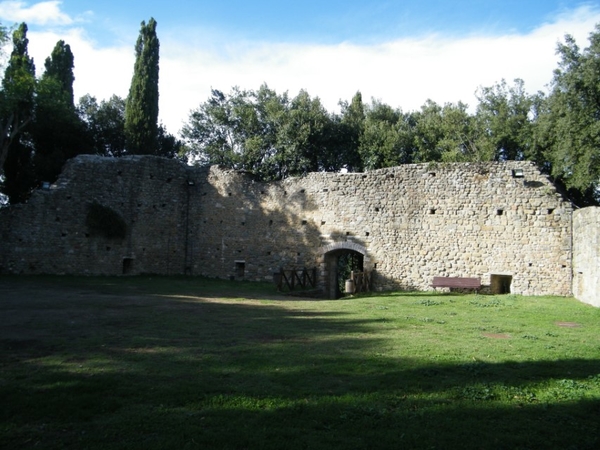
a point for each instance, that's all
(141, 109)
(59, 65)
(17, 103)
(17, 97)
(58, 132)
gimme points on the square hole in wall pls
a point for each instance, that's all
(499, 212)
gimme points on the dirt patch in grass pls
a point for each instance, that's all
(568, 324)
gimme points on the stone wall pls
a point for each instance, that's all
(586, 255)
(410, 223)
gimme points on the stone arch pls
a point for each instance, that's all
(331, 254)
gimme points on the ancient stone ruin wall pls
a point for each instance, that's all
(411, 223)
(586, 255)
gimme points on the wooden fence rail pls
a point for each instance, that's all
(294, 279)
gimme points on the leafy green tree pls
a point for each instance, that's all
(385, 140)
(141, 109)
(17, 98)
(105, 123)
(300, 141)
(209, 133)
(568, 129)
(504, 113)
(17, 101)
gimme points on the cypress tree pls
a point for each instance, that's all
(60, 66)
(58, 132)
(141, 109)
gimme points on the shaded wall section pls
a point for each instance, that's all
(586, 255)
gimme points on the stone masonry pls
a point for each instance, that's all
(586, 255)
(497, 221)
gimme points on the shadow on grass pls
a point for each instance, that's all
(81, 370)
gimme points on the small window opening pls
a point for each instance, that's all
(230, 194)
(367, 234)
(304, 222)
(432, 211)
(325, 190)
(376, 209)
(432, 174)
(499, 212)
(270, 222)
(550, 210)
(323, 222)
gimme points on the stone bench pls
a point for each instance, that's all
(457, 283)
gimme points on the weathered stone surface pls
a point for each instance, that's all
(411, 223)
(586, 255)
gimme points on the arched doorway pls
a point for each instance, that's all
(340, 259)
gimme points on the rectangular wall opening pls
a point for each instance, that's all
(127, 266)
(240, 269)
(500, 284)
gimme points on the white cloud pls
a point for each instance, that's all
(43, 13)
(402, 73)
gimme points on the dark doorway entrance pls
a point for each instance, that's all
(339, 265)
(347, 262)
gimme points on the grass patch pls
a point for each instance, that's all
(161, 362)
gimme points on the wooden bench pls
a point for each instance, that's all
(457, 283)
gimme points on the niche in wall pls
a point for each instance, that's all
(500, 284)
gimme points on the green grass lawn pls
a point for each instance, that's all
(185, 363)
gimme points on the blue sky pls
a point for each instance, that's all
(400, 52)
